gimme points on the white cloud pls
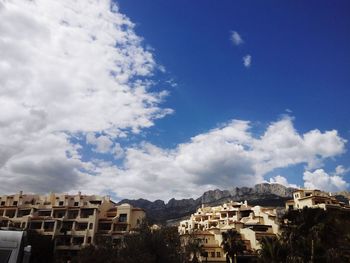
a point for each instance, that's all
(319, 179)
(341, 170)
(236, 38)
(247, 60)
(220, 158)
(68, 68)
(76, 69)
(102, 143)
(118, 151)
(278, 179)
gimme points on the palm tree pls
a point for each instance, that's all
(194, 247)
(272, 250)
(232, 244)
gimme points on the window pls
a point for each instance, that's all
(81, 226)
(2, 203)
(91, 225)
(23, 212)
(76, 203)
(72, 214)
(35, 225)
(78, 241)
(123, 217)
(10, 213)
(60, 203)
(218, 255)
(59, 213)
(212, 254)
(104, 226)
(85, 213)
(15, 202)
(49, 226)
(44, 213)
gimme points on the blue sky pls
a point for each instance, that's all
(300, 61)
(152, 99)
(300, 64)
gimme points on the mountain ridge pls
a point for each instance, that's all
(264, 194)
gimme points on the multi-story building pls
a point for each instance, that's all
(72, 221)
(208, 224)
(314, 199)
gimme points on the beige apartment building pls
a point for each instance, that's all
(314, 199)
(208, 224)
(72, 221)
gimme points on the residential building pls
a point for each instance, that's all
(314, 199)
(72, 221)
(208, 224)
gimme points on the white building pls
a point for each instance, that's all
(72, 221)
(208, 223)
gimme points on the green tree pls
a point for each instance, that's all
(232, 244)
(42, 247)
(143, 246)
(193, 247)
(103, 252)
(310, 235)
(272, 251)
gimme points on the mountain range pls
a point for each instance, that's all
(264, 194)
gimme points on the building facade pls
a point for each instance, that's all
(72, 221)
(314, 199)
(208, 224)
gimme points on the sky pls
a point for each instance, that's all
(160, 99)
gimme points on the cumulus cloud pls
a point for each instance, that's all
(230, 155)
(236, 38)
(68, 68)
(341, 170)
(102, 143)
(76, 69)
(279, 179)
(247, 60)
(319, 179)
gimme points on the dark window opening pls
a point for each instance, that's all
(78, 240)
(120, 227)
(73, 214)
(23, 212)
(104, 226)
(59, 213)
(35, 225)
(81, 226)
(49, 226)
(123, 217)
(10, 213)
(85, 213)
(44, 213)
